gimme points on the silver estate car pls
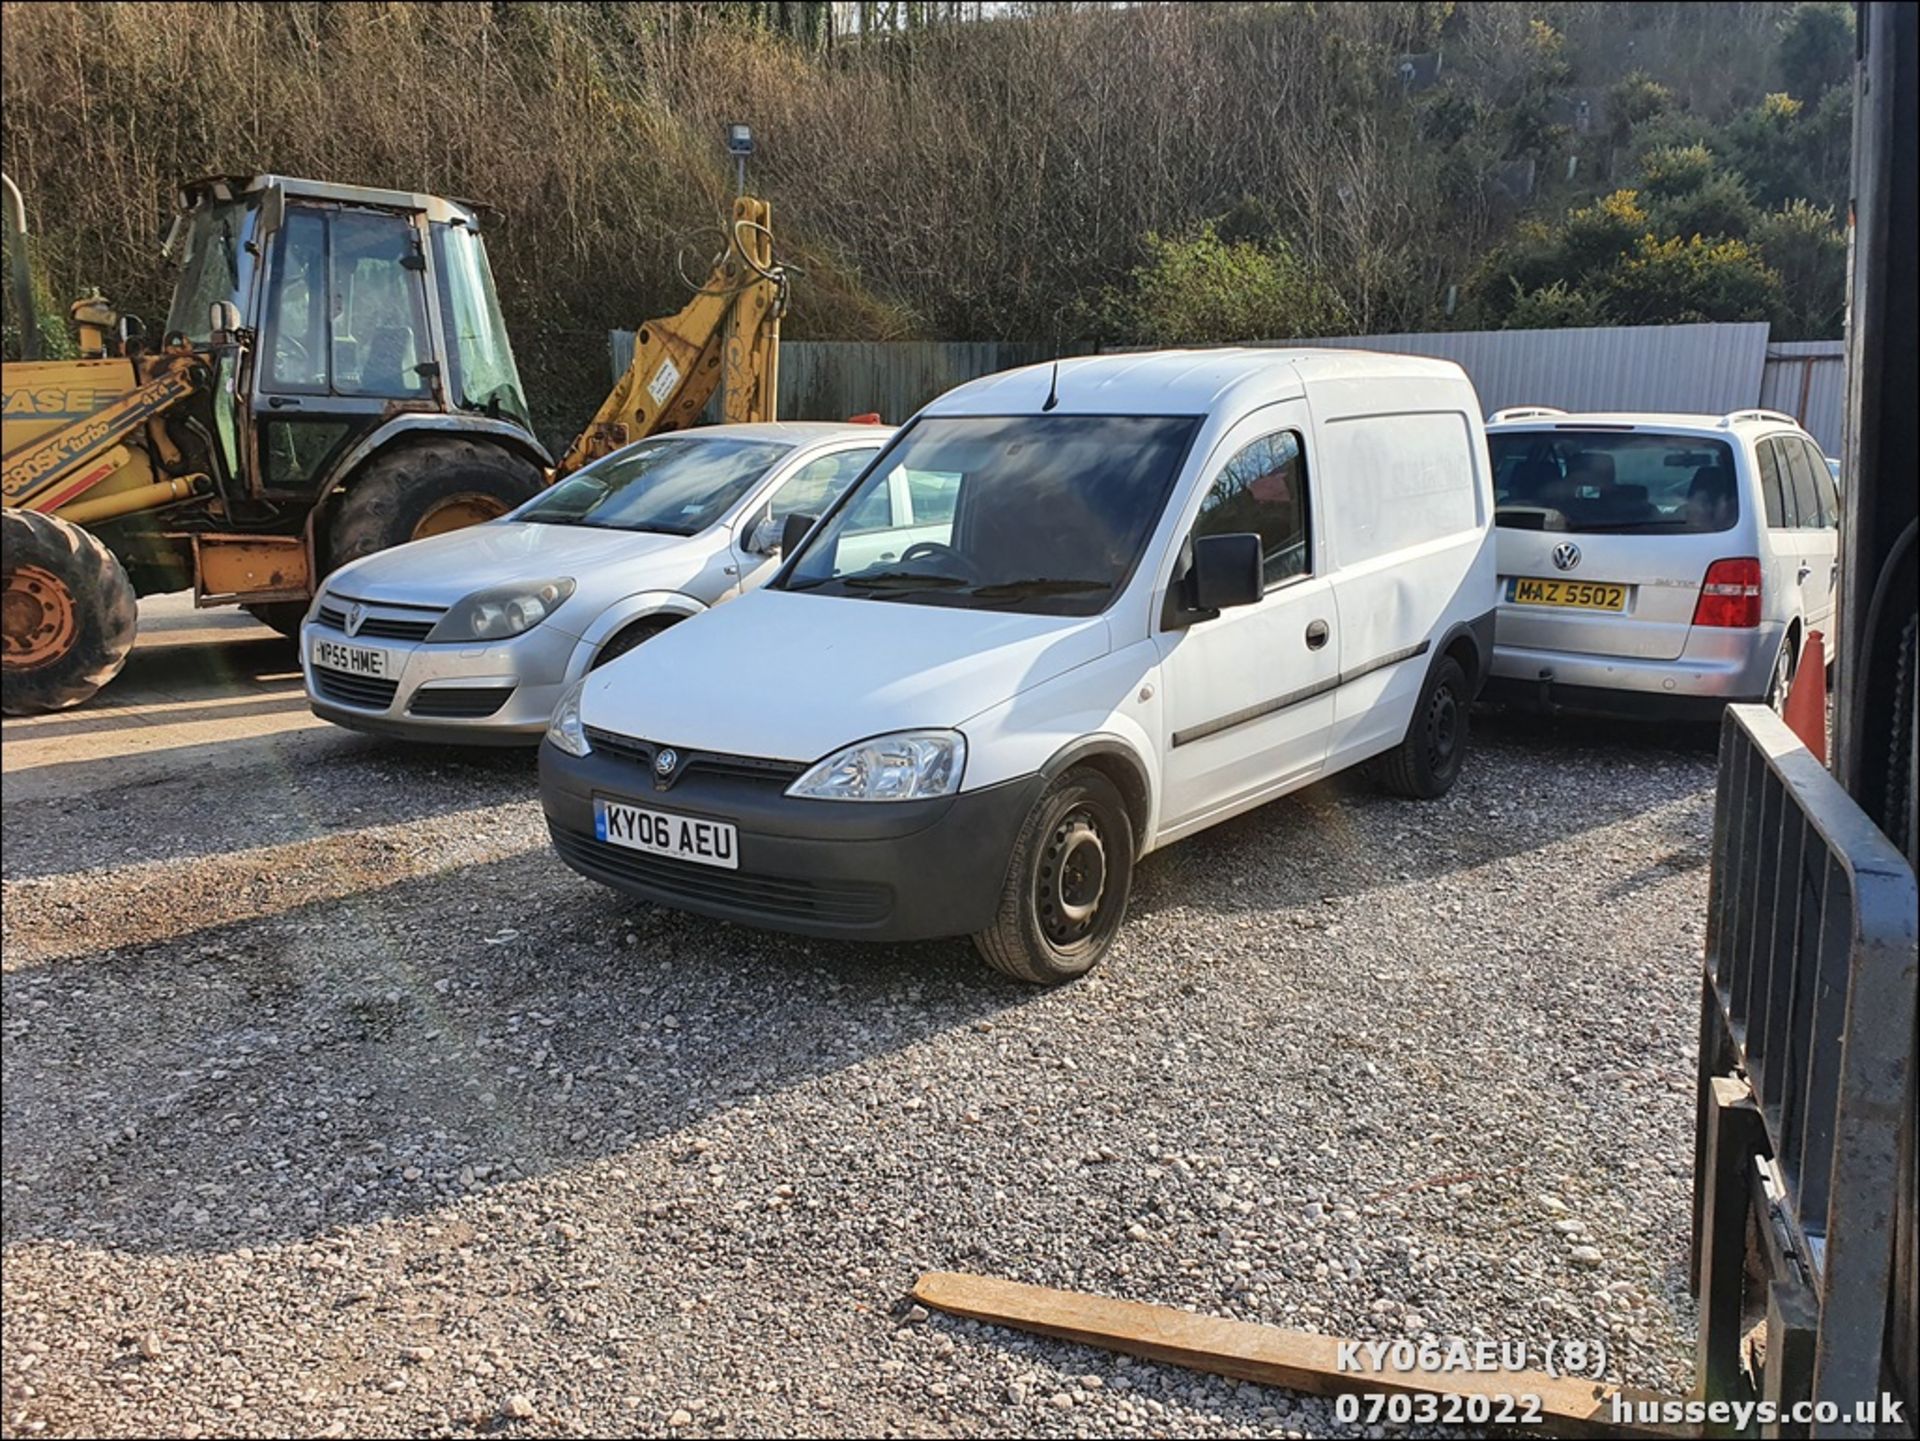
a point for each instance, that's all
(471, 636)
(1657, 565)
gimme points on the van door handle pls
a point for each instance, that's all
(1805, 571)
(276, 401)
(1317, 634)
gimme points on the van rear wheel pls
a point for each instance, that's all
(1067, 883)
(1426, 763)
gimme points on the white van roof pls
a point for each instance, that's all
(1179, 382)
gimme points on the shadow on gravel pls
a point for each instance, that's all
(1529, 782)
(372, 1057)
(240, 792)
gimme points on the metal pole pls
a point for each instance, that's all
(22, 270)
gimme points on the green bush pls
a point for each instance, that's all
(1816, 48)
(1557, 307)
(1806, 248)
(1719, 206)
(1199, 289)
(1673, 281)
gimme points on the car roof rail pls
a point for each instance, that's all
(1734, 417)
(1523, 412)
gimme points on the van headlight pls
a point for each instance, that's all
(503, 610)
(904, 766)
(565, 729)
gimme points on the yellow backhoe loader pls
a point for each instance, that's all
(333, 377)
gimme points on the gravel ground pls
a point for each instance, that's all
(334, 1104)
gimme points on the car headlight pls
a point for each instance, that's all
(503, 610)
(904, 766)
(565, 729)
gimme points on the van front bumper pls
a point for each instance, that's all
(866, 871)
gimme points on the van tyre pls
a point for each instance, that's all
(413, 491)
(1426, 763)
(69, 613)
(1067, 883)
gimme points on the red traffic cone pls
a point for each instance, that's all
(1806, 708)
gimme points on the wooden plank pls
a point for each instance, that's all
(1271, 1356)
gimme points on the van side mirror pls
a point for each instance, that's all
(794, 530)
(223, 320)
(1227, 571)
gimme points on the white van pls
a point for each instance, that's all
(1070, 614)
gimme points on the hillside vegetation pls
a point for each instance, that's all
(1058, 173)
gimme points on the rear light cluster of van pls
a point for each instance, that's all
(1730, 595)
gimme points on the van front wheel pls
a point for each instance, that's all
(1067, 883)
(1425, 765)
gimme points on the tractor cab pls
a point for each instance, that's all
(359, 307)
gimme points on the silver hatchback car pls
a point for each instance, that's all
(471, 636)
(1657, 565)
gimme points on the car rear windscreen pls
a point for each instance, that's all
(1588, 481)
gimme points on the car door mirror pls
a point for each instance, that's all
(794, 530)
(1227, 571)
(764, 538)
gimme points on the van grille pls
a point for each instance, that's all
(704, 763)
(777, 898)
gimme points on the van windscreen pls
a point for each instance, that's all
(1587, 481)
(1042, 514)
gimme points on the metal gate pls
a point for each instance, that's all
(1806, 1079)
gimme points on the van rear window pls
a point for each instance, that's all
(1586, 481)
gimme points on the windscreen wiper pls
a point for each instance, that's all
(899, 580)
(1037, 586)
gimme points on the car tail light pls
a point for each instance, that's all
(1730, 595)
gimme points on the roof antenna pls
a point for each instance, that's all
(1053, 390)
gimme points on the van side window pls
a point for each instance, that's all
(1806, 499)
(1771, 489)
(1263, 489)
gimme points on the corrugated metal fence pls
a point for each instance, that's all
(1706, 368)
(1808, 378)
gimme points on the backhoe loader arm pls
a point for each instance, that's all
(57, 468)
(727, 336)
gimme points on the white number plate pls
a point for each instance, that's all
(353, 659)
(684, 838)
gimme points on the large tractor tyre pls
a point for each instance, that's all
(415, 491)
(67, 612)
(281, 615)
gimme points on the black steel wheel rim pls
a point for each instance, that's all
(1072, 881)
(1443, 727)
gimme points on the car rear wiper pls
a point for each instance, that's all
(1037, 586)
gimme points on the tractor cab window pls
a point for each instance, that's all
(481, 372)
(297, 307)
(379, 310)
(216, 267)
(346, 312)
